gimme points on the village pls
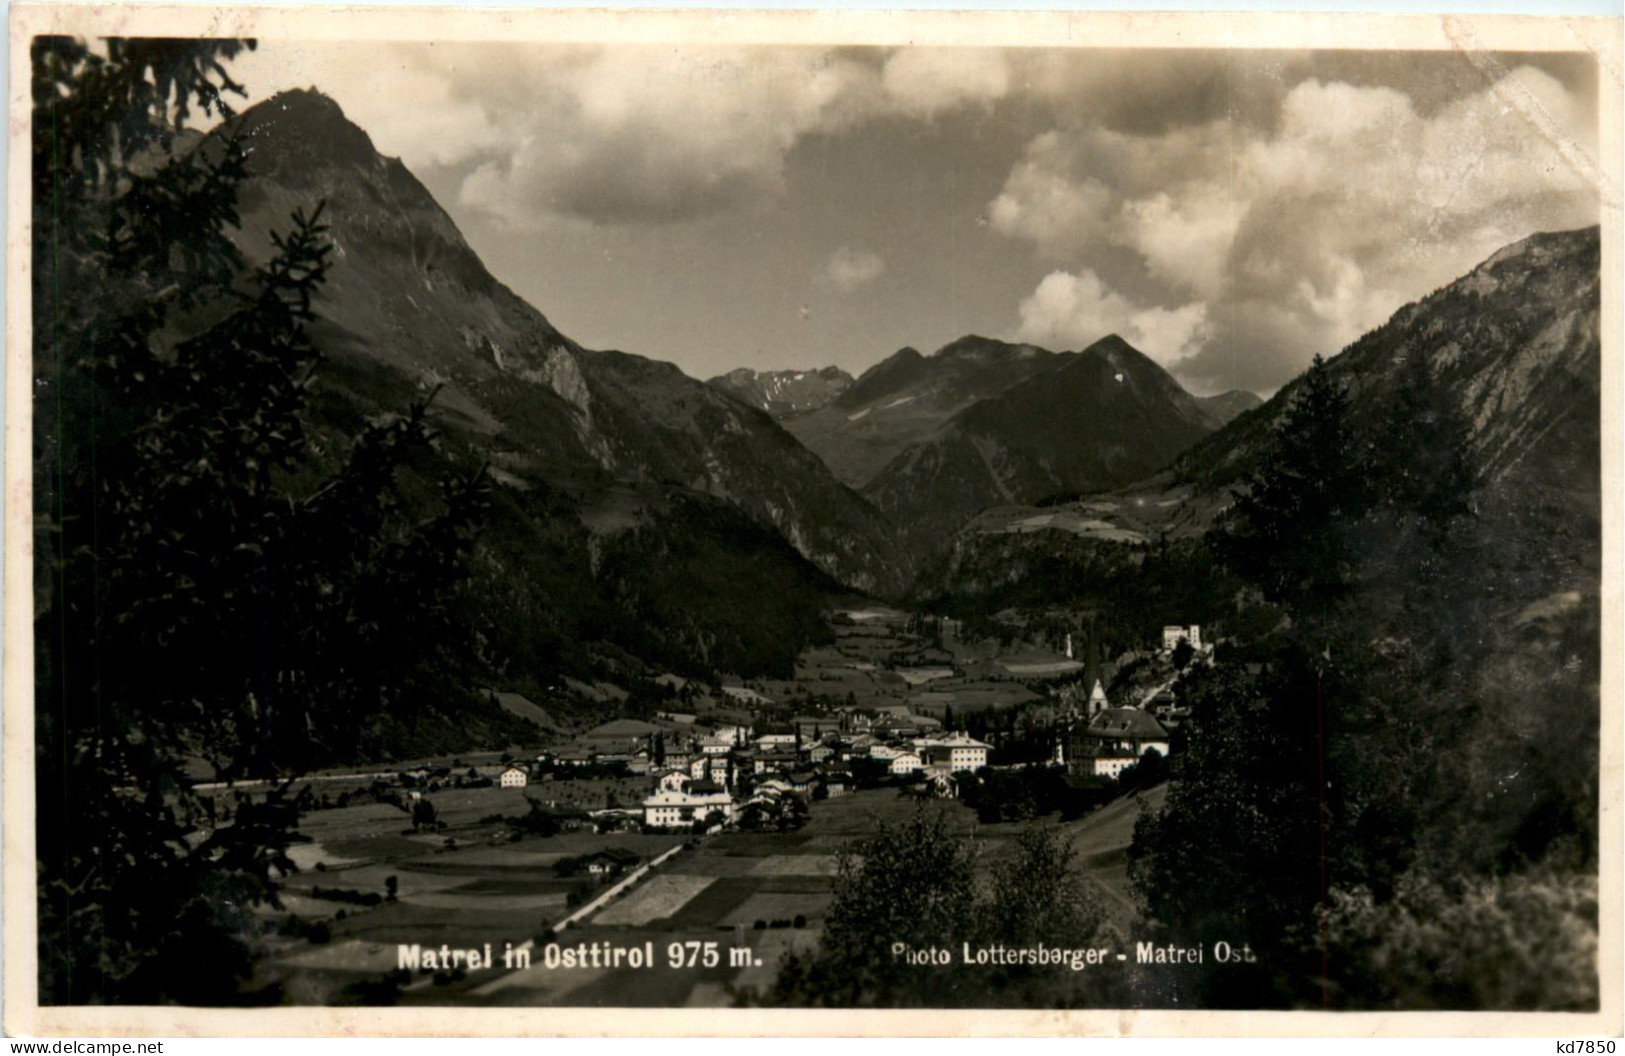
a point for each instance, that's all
(726, 810)
(743, 758)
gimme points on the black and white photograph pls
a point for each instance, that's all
(965, 514)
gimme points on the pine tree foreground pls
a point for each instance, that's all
(216, 597)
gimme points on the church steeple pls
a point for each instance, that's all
(1094, 672)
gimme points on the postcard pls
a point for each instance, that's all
(821, 522)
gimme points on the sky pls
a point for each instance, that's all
(1229, 213)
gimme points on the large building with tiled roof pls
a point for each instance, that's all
(679, 800)
(1114, 740)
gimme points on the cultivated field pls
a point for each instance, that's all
(466, 885)
(762, 894)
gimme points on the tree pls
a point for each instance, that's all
(1244, 805)
(211, 584)
(1149, 771)
(1422, 539)
(1423, 465)
(1290, 528)
(909, 889)
(537, 820)
(793, 813)
(1039, 898)
(909, 883)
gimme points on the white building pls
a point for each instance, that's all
(513, 777)
(733, 736)
(957, 751)
(906, 763)
(1111, 765)
(1173, 634)
(1127, 731)
(1115, 740)
(680, 802)
(1097, 699)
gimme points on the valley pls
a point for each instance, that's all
(712, 890)
(840, 734)
(382, 617)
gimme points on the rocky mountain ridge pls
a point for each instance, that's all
(907, 397)
(1514, 344)
(784, 393)
(1224, 407)
(617, 442)
(1097, 419)
(406, 293)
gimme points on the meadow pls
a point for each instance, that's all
(761, 893)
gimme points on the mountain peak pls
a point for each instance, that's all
(306, 125)
(977, 347)
(407, 307)
(1223, 407)
(1112, 342)
(1514, 345)
(1540, 245)
(784, 392)
(305, 103)
(1028, 424)
(893, 372)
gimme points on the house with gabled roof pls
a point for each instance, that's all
(1114, 740)
(957, 751)
(680, 801)
(611, 861)
(769, 761)
(906, 763)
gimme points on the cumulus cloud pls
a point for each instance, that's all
(1185, 242)
(1250, 209)
(627, 134)
(1300, 233)
(849, 268)
(1073, 310)
(653, 135)
(1067, 192)
(1049, 202)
